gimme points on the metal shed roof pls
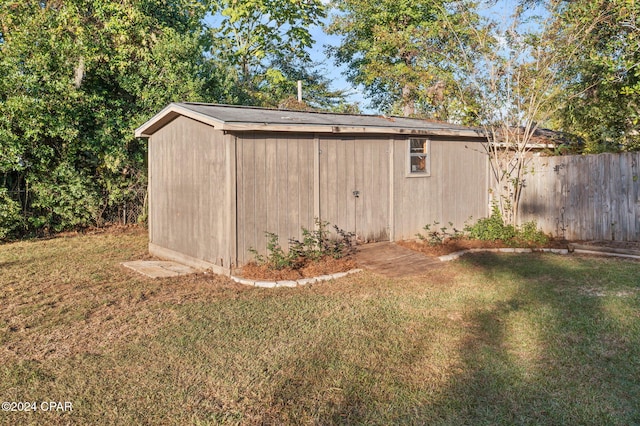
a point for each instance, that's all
(239, 118)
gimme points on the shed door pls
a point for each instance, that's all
(354, 186)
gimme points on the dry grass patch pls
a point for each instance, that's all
(70, 294)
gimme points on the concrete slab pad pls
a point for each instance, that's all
(159, 268)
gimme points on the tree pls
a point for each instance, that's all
(602, 83)
(515, 75)
(394, 49)
(316, 90)
(78, 77)
(265, 44)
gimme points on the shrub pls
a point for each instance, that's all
(438, 235)
(315, 245)
(529, 233)
(66, 199)
(491, 228)
(10, 215)
(318, 243)
(276, 257)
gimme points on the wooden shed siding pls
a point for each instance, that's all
(360, 164)
(373, 179)
(187, 191)
(274, 188)
(214, 194)
(454, 191)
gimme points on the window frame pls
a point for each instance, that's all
(409, 155)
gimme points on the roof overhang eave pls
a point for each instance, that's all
(310, 128)
(170, 113)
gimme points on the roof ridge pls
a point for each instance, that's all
(346, 114)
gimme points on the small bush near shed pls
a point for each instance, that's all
(276, 257)
(316, 245)
(491, 230)
(435, 235)
(529, 233)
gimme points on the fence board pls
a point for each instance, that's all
(591, 197)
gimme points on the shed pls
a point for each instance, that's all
(221, 176)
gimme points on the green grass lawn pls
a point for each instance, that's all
(489, 339)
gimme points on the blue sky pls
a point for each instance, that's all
(334, 72)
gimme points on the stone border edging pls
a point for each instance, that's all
(603, 253)
(292, 283)
(590, 249)
(457, 254)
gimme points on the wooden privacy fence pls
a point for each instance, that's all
(590, 197)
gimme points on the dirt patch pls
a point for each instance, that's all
(324, 266)
(458, 244)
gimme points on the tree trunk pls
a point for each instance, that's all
(79, 73)
(408, 107)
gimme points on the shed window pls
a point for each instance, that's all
(419, 159)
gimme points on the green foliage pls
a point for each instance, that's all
(10, 215)
(251, 30)
(319, 243)
(397, 49)
(315, 245)
(264, 45)
(77, 78)
(63, 200)
(601, 84)
(529, 233)
(276, 257)
(435, 235)
(493, 228)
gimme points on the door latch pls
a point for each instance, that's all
(356, 194)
